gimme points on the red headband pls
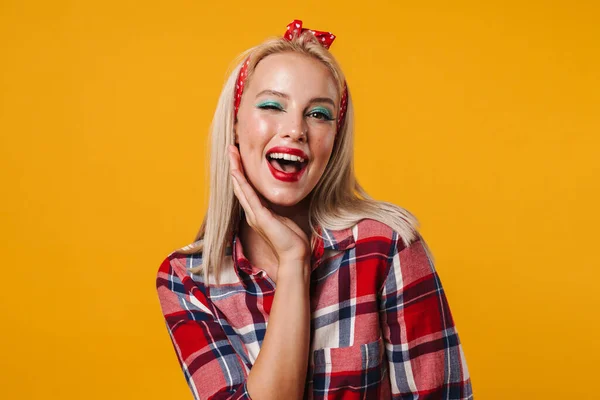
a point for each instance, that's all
(294, 29)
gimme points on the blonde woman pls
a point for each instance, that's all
(299, 285)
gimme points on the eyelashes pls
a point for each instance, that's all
(322, 113)
(319, 113)
(270, 105)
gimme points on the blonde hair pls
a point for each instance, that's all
(337, 201)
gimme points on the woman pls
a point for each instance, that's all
(359, 311)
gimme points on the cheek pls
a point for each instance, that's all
(254, 133)
(255, 130)
(323, 146)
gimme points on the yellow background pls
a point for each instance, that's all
(481, 118)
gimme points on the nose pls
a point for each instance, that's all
(295, 127)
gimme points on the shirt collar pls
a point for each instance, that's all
(337, 240)
(239, 259)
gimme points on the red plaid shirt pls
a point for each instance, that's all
(381, 327)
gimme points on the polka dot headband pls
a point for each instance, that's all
(294, 29)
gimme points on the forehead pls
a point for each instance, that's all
(295, 74)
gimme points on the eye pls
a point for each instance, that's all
(321, 113)
(270, 105)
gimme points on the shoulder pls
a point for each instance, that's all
(180, 292)
(405, 263)
(370, 231)
(178, 262)
(380, 252)
(186, 264)
(373, 236)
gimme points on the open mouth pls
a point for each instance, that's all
(286, 167)
(286, 163)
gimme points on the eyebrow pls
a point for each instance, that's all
(285, 96)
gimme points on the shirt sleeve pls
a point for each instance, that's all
(425, 355)
(211, 366)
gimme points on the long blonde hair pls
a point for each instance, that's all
(337, 201)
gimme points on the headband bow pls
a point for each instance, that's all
(294, 29)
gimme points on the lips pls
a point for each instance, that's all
(283, 157)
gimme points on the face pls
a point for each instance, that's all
(286, 126)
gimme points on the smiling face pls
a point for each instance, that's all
(286, 126)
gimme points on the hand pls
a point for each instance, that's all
(284, 236)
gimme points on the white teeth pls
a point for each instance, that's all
(285, 156)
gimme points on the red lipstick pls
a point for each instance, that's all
(287, 176)
(288, 150)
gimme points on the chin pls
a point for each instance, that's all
(283, 199)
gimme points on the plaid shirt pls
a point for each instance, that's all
(381, 326)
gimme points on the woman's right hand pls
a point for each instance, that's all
(288, 242)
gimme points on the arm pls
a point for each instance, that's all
(279, 371)
(424, 351)
(211, 366)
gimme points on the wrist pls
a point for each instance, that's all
(295, 269)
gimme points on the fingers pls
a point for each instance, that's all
(243, 201)
(234, 171)
(252, 199)
(235, 161)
